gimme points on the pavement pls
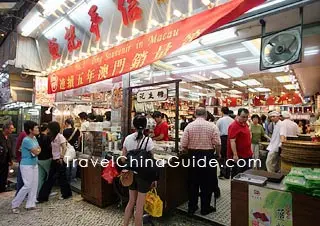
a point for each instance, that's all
(76, 211)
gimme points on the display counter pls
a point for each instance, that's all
(172, 185)
(304, 208)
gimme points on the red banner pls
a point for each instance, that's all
(146, 49)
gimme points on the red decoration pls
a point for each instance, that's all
(146, 49)
(54, 49)
(134, 12)
(96, 20)
(70, 36)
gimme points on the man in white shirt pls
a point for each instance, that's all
(223, 126)
(289, 128)
(273, 159)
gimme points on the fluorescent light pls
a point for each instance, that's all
(202, 68)
(141, 70)
(263, 89)
(234, 72)
(253, 46)
(195, 77)
(218, 86)
(268, 4)
(219, 36)
(278, 69)
(233, 91)
(177, 13)
(232, 51)
(252, 90)
(206, 2)
(311, 51)
(183, 90)
(221, 74)
(197, 87)
(248, 61)
(170, 79)
(186, 58)
(238, 83)
(51, 6)
(32, 24)
(251, 82)
(284, 79)
(291, 86)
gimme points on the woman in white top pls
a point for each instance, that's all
(139, 187)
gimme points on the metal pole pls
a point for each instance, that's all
(177, 118)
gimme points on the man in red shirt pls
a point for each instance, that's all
(162, 129)
(239, 142)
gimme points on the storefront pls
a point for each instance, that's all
(152, 65)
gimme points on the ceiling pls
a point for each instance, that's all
(223, 59)
(12, 13)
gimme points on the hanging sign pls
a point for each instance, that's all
(40, 92)
(54, 49)
(146, 49)
(269, 207)
(152, 95)
(70, 36)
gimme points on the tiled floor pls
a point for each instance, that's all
(223, 214)
(74, 212)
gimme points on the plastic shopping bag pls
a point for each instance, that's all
(153, 204)
(110, 172)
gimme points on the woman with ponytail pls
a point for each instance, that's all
(139, 187)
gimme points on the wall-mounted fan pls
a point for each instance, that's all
(281, 48)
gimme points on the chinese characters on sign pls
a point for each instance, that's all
(54, 49)
(130, 13)
(144, 50)
(269, 207)
(70, 36)
(152, 95)
(96, 20)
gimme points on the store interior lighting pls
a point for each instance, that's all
(261, 89)
(202, 68)
(218, 86)
(221, 74)
(252, 90)
(234, 91)
(206, 2)
(232, 51)
(247, 61)
(291, 86)
(234, 72)
(311, 51)
(238, 83)
(251, 82)
(218, 36)
(284, 79)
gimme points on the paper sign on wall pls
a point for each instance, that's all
(152, 95)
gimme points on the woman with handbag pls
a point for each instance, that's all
(58, 166)
(139, 186)
(72, 135)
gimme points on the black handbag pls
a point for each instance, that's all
(142, 162)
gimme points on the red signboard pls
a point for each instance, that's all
(146, 49)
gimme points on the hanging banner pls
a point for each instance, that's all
(146, 49)
(269, 207)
